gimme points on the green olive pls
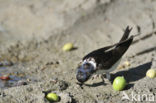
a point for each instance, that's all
(151, 73)
(119, 83)
(67, 47)
(52, 97)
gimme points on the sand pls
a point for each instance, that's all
(32, 34)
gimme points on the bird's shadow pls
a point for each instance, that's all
(131, 75)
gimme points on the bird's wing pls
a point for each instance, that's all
(97, 52)
(109, 55)
(112, 56)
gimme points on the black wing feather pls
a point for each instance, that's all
(109, 55)
(97, 52)
(126, 34)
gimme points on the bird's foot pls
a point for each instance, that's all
(95, 76)
(106, 78)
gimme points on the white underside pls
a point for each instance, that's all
(109, 70)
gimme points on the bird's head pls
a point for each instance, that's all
(85, 71)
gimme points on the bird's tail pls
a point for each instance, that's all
(125, 40)
(126, 34)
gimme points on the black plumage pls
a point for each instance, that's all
(109, 55)
(104, 60)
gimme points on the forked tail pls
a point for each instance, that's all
(126, 34)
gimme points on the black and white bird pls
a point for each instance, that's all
(104, 60)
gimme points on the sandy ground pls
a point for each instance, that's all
(32, 34)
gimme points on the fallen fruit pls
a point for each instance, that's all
(119, 83)
(127, 63)
(52, 97)
(121, 67)
(67, 47)
(151, 73)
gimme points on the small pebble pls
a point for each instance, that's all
(6, 63)
(63, 85)
(19, 83)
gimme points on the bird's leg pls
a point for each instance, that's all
(95, 76)
(108, 76)
(103, 78)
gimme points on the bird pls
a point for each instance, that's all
(104, 60)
